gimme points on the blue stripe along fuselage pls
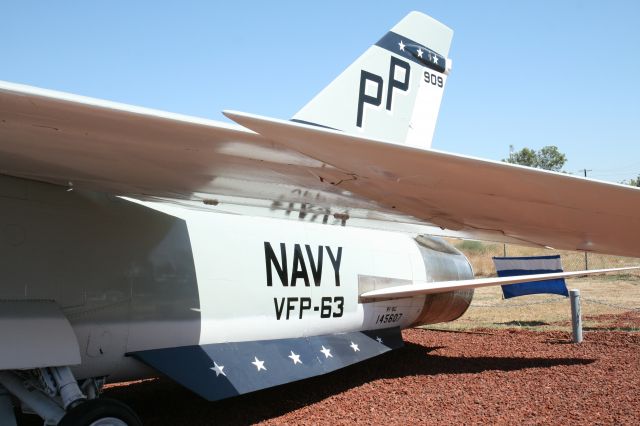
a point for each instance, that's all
(222, 370)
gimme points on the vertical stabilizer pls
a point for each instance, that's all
(393, 91)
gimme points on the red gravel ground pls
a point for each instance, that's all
(478, 377)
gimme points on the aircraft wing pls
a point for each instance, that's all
(472, 195)
(85, 143)
(282, 168)
(95, 144)
(427, 287)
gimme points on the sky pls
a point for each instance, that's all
(525, 73)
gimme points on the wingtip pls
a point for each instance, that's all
(242, 118)
(232, 114)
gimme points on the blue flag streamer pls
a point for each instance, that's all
(513, 266)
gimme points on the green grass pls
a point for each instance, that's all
(551, 312)
(615, 293)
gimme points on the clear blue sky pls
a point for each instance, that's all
(535, 73)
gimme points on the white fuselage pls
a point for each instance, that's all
(131, 275)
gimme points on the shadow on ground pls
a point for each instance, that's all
(522, 323)
(164, 402)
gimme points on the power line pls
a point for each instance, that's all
(628, 166)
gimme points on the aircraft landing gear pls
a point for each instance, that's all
(54, 394)
(100, 412)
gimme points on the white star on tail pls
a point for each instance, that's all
(435, 59)
(326, 352)
(401, 45)
(295, 358)
(354, 347)
(218, 369)
(259, 364)
(379, 339)
(420, 52)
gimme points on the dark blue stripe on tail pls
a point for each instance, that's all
(412, 51)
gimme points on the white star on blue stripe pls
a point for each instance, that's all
(259, 364)
(326, 352)
(218, 369)
(295, 358)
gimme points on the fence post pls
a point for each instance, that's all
(576, 316)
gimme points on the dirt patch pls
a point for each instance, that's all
(440, 377)
(601, 296)
(627, 321)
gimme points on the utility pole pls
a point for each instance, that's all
(586, 254)
(585, 171)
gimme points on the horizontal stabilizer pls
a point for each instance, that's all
(222, 370)
(420, 287)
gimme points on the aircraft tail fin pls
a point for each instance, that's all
(393, 91)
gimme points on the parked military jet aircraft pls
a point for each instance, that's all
(232, 258)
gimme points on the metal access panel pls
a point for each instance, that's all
(35, 334)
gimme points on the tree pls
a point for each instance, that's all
(633, 182)
(548, 158)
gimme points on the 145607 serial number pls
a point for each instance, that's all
(388, 318)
